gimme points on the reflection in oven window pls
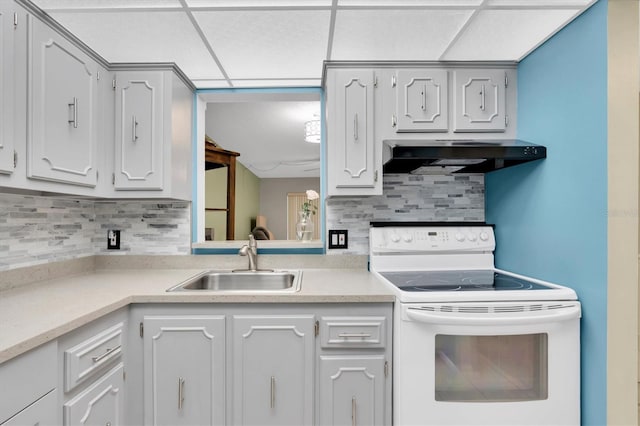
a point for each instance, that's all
(491, 368)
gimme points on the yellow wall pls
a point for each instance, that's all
(247, 201)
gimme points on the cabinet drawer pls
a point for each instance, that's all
(92, 355)
(352, 332)
(26, 378)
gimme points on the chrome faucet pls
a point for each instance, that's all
(251, 251)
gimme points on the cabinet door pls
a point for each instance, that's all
(184, 368)
(102, 403)
(273, 370)
(6, 87)
(480, 100)
(139, 131)
(43, 412)
(352, 390)
(421, 101)
(350, 146)
(62, 137)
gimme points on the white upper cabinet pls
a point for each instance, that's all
(153, 128)
(421, 100)
(6, 87)
(480, 100)
(352, 157)
(139, 131)
(62, 109)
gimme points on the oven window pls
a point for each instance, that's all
(491, 368)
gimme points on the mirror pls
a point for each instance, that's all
(258, 166)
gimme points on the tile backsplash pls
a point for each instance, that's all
(406, 197)
(35, 229)
(38, 229)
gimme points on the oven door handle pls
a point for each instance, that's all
(495, 318)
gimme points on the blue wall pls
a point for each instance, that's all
(550, 215)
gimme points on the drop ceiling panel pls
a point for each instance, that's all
(395, 34)
(268, 44)
(507, 34)
(311, 82)
(105, 4)
(405, 3)
(144, 37)
(540, 3)
(257, 3)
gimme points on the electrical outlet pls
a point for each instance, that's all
(113, 239)
(338, 239)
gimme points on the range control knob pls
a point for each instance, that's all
(484, 236)
(408, 238)
(472, 237)
(460, 236)
(395, 238)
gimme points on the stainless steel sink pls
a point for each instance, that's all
(246, 281)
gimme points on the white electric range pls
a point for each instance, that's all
(473, 344)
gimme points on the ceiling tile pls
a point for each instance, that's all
(405, 3)
(311, 82)
(144, 37)
(105, 4)
(539, 3)
(268, 44)
(395, 34)
(507, 34)
(257, 3)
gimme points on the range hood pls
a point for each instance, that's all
(457, 156)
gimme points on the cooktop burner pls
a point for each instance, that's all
(470, 280)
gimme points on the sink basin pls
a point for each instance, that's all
(247, 281)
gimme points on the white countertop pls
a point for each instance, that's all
(33, 314)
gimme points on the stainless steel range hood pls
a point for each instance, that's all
(457, 156)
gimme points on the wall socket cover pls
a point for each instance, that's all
(113, 239)
(338, 239)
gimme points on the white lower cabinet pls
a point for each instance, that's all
(273, 359)
(40, 413)
(352, 390)
(259, 364)
(28, 387)
(184, 370)
(92, 372)
(102, 403)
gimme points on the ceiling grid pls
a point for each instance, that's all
(281, 43)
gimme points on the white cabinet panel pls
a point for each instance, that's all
(43, 412)
(273, 370)
(352, 390)
(422, 101)
(480, 100)
(6, 87)
(62, 137)
(102, 403)
(184, 370)
(352, 159)
(139, 150)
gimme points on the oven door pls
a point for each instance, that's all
(497, 363)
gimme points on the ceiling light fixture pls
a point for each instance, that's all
(312, 131)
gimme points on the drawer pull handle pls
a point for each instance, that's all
(353, 411)
(273, 392)
(106, 354)
(349, 335)
(180, 393)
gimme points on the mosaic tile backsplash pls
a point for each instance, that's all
(35, 230)
(445, 198)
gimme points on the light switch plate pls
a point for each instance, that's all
(338, 239)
